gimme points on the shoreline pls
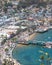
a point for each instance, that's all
(31, 37)
(15, 62)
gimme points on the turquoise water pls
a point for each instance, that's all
(30, 55)
(47, 36)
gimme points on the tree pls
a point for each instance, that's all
(6, 50)
(5, 9)
(8, 62)
(0, 56)
(14, 39)
(3, 42)
(27, 3)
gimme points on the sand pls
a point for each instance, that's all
(27, 38)
(32, 36)
(20, 45)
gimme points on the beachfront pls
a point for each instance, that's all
(21, 25)
(31, 54)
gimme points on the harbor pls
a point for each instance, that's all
(25, 32)
(41, 44)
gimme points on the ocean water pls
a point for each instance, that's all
(47, 36)
(30, 55)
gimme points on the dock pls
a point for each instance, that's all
(39, 43)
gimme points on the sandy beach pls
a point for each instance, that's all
(31, 36)
(20, 45)
(27, 38)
